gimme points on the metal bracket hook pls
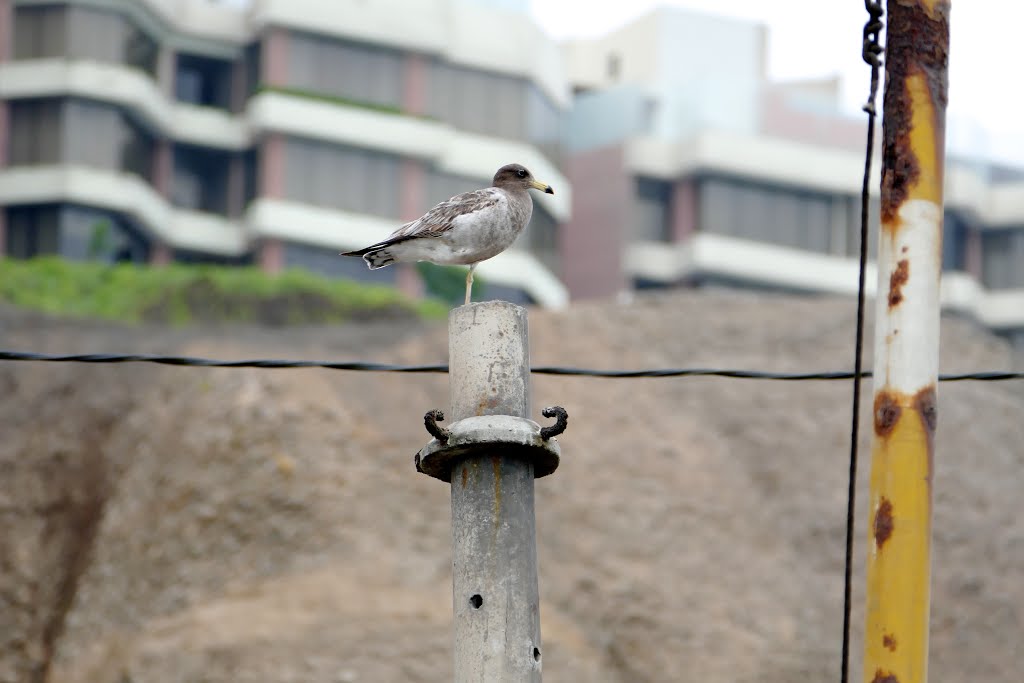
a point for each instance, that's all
(561, 422)
(430, 421)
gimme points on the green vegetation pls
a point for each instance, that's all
(182, 294)
(448, 283)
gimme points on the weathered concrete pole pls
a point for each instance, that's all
(494, 547)
(906, 342)
(491, 454)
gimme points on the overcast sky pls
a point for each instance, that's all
(810, 38)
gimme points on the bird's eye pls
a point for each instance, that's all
(521, 173)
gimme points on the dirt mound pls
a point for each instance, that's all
(268, 525)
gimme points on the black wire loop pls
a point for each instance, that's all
(871, 50)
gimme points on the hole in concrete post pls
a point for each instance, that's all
(476, 601)
(536, 654)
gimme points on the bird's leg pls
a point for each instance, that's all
(469, 283)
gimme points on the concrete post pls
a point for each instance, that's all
(494, 552)
(490, 455)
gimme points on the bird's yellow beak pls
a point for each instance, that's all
(546, 189)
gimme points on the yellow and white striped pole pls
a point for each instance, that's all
(906, 342)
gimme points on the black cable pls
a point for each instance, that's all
(565, 371)
(870, 52)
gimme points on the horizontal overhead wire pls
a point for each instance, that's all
(363, 366)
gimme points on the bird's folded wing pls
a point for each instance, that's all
(443, 217)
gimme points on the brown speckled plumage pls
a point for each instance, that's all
(466, 229)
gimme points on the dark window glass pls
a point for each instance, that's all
(35, 132)
(652, 217)
(138, 149)
(541, 237)
(250, 177)
(341, 177)
(200, 180)
(478, 101)
(139, 50)
(351, 71)
(1002, 256)
(39, 31)
(442, 186)
(96, 235)
(954, 241)
(74, 232)
(78, 131)
(203, 81)
(253, 68)
(543, 123)
(33, 231)
(780, 216)
(494, 104)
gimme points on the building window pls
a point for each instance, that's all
(1002, 254)
(101, 135)
(35, 132)
(33, 231)
(341, 177)
(250, 176)
(652, 214)
(138, 149)
(544, 122)
(203, 81)
(74, 232)
(139, 49)
(442, 186)
(541, 238)
(200, 179)
(40, 31)
(351, 71)
(78, 131)
(478, 101)
(253, 66)
(789, 218)
(97, 235)
(954, 241)
(494, 104)
(53, 30)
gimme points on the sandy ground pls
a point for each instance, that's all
(174, 525)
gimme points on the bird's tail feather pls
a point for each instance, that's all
(376, 256)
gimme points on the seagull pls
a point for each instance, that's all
(464, 230)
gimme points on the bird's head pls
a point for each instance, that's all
(516, 176)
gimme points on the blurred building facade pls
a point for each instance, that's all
(689, 167)
(288, 130)
(277, 134)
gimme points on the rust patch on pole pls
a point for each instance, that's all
(883, 522)
(923, 54)
(887, 413)
(889, 642)
(884, 677)
(898, 278)
(926, 406)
